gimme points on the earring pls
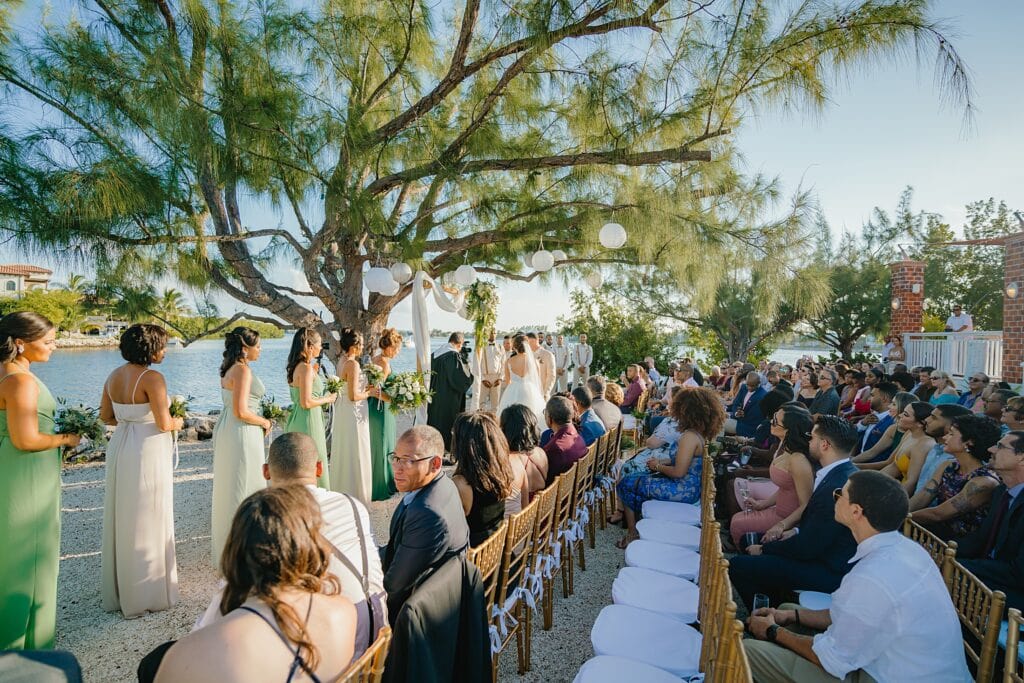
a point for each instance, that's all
(20, 348)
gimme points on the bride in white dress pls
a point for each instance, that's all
(522, 380)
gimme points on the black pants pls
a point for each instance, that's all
(777, 577)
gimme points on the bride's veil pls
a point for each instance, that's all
(532, 376)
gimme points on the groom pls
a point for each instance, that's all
(450, 380)
(545, 364)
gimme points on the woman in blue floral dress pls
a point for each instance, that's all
(700, 416)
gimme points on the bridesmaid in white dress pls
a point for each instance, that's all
(351, 460)
(139, 570)
(238, 452)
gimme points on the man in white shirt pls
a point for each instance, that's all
(959, 321)
(492, 370)
(652, 371)
(549, 341)
(293, 461)
(582, 358)
(891, 618)
(562, 360)
(545, 364)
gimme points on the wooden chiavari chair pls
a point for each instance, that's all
(584, 480)
(487, 558)
(369, 668)
(712, 607)
(733, 665)
(1013, 670)
(601, 471)
(981, 613)
(515, 562)
(564, 510)
(934, 545)
(615, 446)
(544, 533)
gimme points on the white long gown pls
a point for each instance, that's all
(524, 392)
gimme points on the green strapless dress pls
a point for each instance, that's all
(311, 422)
(382, 442)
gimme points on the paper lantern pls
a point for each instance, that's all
(594, 279)
(401, 272)
(465, 275)
(559, 255)
(390, 289)
(377, 279)
(543, 260)
(528, 260)
(612, 236)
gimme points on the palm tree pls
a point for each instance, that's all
(135, 305)
(171, 304)
(78, 284)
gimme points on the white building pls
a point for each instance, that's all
(18, 278)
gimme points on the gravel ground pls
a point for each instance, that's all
(109, 647)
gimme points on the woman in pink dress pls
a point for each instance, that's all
(792, 479)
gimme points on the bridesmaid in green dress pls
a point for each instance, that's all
(382, 420)
(307, 391)
(238, 452)
(29, 486)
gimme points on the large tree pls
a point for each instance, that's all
(207, 140)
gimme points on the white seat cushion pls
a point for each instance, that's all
(628, 422)
(682, 513)
(815, 600)
(661, 557)
(673, 533)
(649, 637)
(606, 669)
(647, 589)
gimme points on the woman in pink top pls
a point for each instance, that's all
(790, 472)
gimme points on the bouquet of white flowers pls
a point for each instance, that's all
(179, 405)
(407, 391)
(374, 374)
(80, 420)
(334, 384)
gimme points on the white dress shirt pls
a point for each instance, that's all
(823, 472)
(955, 322)
(866, 429)
(892, 617)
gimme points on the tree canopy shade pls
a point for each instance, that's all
(385, 130)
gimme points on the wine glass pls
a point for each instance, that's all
(744, 488)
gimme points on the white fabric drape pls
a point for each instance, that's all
(421, 324)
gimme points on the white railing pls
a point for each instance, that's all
(958, 353)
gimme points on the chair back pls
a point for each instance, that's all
(616, 444)
(564, 508)
(544, 521)
(981, 613)
(733, 665)
(601, 456)
(932, 544)
(641, 401)
(487, 558)
(518, 549)
(712, 609)
(1013, 671)
(584, 476)
(369, 668)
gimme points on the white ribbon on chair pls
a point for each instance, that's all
(503, 613)
(582, 517)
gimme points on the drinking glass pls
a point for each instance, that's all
(744, 488)
(760, 600)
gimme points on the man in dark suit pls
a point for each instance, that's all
(815, 555)
(429, 526)
(746, 410)
(995, 551)
(873, 426)
(826, 401)
(450, 380)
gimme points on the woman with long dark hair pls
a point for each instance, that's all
(238, 452)
(519, 425)
(306, 388)
(483, 474)
(282, 615)
(350, 433)
(139, 567)
(382, 420)
(29, 486)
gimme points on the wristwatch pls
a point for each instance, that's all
(771, 633)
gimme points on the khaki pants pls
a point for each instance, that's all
(561, 381)
(490, 397)
(581, 377)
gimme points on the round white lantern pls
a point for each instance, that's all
(401, 272)
(559, 255)
(377, 279)
(390, 289)
(543, 260)
(612, 236)
(465, 275)
(528, 260)
(594, 279)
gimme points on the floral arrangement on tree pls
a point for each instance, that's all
(407, 391)
(80, 420)
(482, 306)
(374, 374)
(271, 410)
(179, 405)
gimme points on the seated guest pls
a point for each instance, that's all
(792, 478)
(908, 458)
(282, 612)
(815, 554)
(937, 426)
(700, 416)
(613, 394)
(635, 386)
(808, 386)
(994, 552)
(429, 525)
(891, 619)
(854, 390)
(945, 391)
(611, 416)
(564, 445)
(484, 476)
(591, 428)
(875, 428)
(905, 381)
(746, 413)
(826, 399)
(715, 378)
(994, 403)
(1013, 414)
(976, 384)
(962, 490)
(519, 425)
(924, 388)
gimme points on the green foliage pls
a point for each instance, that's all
(63, 307)
(856, 357)
(193, 327)
(860, 305)
(714, 351)
(482, 306)
(619, 333)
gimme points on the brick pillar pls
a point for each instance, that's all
(1013, 309)
(909, 316)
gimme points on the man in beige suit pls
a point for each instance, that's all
(563, 358)
(492, 370)
(582, 357)
(545, 364)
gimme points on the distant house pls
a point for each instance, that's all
(18, 278)
(99, 326)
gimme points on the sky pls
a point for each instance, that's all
(885, 129)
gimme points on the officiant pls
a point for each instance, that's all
(450, 380)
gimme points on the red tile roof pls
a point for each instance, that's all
(23, 269)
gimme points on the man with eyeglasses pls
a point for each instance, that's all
(826, 401)
(976, 383)
(429, 526)
(995, 551)
(891, 619)
(937, 426)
